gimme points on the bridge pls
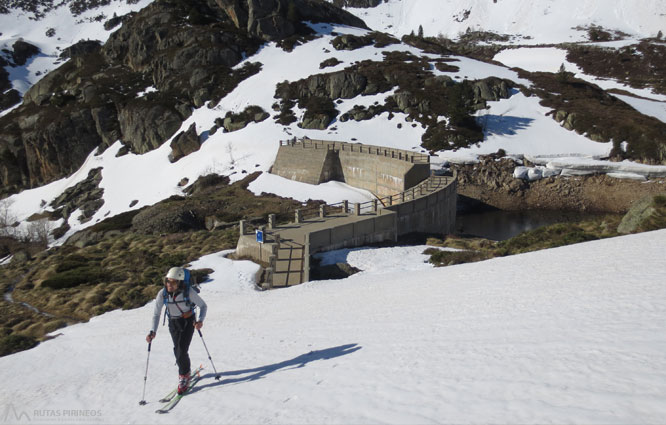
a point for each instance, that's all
(425, 207)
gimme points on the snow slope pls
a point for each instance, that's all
(568, 335)
(69, 29)
(530, 21)
(518, 125)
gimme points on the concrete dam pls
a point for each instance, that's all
(408, 200)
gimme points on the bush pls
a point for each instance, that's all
(14, 343)
(75, 277)
(449, 258)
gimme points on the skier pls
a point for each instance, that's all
(181, 301)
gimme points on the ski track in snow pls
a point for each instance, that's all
(564, 335)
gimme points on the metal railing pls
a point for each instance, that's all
(399, 154)
(300, 215)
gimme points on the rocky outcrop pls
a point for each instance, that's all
(490, 89)
(168, 218)
(357, 3)
(235, 122)
(186, 50)
(85, 196)
(48, 145)
(277, 19)
(163, 123)
(184, 144)
(350, 42)
(22, 52)
(82, 48)
(645, 215)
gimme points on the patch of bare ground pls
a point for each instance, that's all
(491, 181)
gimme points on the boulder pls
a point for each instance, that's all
(317, 121)
(23, 51)
(184, 144)
(490, 89)
(646, 214)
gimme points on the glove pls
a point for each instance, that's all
(150, 337)
(198, 325)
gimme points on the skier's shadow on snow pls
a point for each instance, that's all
(260, 372)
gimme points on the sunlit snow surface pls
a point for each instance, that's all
(567, 335)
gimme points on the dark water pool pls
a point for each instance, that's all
(499, 225)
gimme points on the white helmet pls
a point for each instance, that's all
(176, 273)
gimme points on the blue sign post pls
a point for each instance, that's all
(260, 235)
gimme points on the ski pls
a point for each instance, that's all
(175, 398)
(167, 398)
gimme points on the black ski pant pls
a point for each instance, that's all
(181, 330)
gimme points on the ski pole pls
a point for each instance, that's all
(145, 377)
(217, 377)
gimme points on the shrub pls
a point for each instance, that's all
(87, 274)
(449, 258)
(16, 342)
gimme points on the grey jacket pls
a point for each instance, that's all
(178, 306)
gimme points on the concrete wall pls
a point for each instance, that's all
(382, 171)
(372, 230)
(301, 164)
(248, 247)
(381, 175)
(433, 213)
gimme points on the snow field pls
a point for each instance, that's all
(560, 335)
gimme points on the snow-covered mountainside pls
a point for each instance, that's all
(527, 21)
(518, 124)
(121, 118)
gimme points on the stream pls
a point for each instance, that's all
(10, 299)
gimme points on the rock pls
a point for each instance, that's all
(23, 51)
(204, 182)
(357, 3)
(82, 48)
(184, 144)
(44, 87)
(318, 121)
(230, 124)
(570, 121)
(145, 126)
(106, 122)
(59, 232)
(272, 20)
(404, 100)
(49, 149)
(166, 218)
(9, 98)
(235, 122)
(85, 195)
(642, 213)
(351, 42)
